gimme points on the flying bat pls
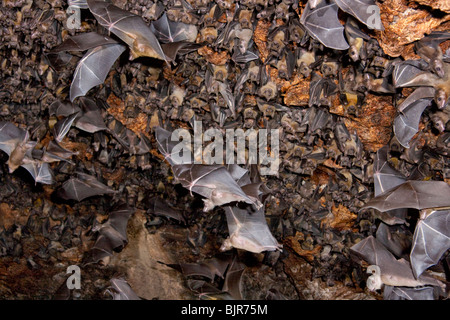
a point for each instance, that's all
(406, 124)
(14, 141)
(385, 177)
(248, 230)
(112, 235)
(387, 269)
(428, 49)
(83, 42)
(431, 239)
(323, 24)
(413, 194)
(213, 182)
(93, 68)
(130, 28)
(82, 187)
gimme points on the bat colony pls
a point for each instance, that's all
(398, 258)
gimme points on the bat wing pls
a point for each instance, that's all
(393, 272)
(413, 74)
(171, 31)
(84, 41)
(249, 230)
(360, 9)
(397, 239)
(10, 136)
(385, 177)
(419, 93)
(172, 49)
(405, 293)
(93, 68)
(245, 57)
(233, 280)
(40, 171)
(63, 108)
(83, 187)
(160, 208)
(91, 119)
(112, 234)
(406, 124)
(62, 127)
(413, 194)
(213, 182)
(129, 27)
(431, 240)
(323, 25)
(121, 290)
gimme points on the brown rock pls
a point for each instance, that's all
(405, 22)
(443, 5)
(374, 125)
(139, 262)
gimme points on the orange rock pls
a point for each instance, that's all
(404, 23)
(341, 219)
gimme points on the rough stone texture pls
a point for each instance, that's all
(139, 261)
(405, 22)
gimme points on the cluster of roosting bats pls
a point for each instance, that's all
(240, 191)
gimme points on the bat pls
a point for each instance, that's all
(428, 49)
(248, 230)
(121, 290)
(15, 143)
(82, 187)
(169, 31)
(387, 269)
(83, 42)
(406, 124)
(233, 279)
(360, 9)
(322, 24)
(40, 171)
(160, 208)
(226, 93)
(91, 119)
(209, 269)
(405, 293)
(431, 239)
(112, 235)
(242, 58)
(355, 38)
(129, 27)
(320, 90)
(385, 177)
(213, 182)
(62, 127)
(413, 194)
(93, 68)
